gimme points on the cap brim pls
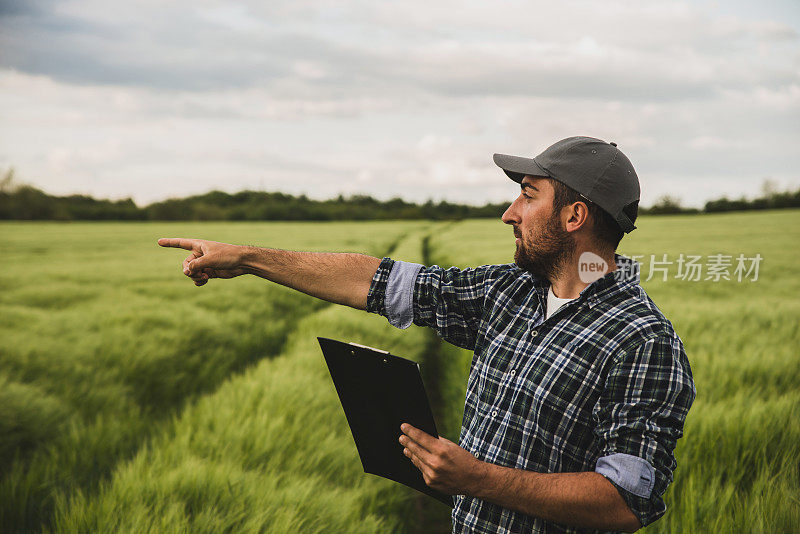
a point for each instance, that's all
(517, 167)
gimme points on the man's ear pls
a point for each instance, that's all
(575, 216)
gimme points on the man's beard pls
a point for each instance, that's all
(549, 252)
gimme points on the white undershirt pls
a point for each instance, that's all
(553, 302)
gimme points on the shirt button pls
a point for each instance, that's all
(494, 413)
(513, 372)
(534, 333)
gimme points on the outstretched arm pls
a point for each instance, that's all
(341, 278)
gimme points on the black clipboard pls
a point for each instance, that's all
(379, 392)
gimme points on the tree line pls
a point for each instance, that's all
(25, 202)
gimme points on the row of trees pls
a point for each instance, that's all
(25, 202)
(770, 198)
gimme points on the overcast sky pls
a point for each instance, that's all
(151, 99)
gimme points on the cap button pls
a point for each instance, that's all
(612, 143)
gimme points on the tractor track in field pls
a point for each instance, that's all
(431, 516)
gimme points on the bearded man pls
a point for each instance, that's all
(579, 386)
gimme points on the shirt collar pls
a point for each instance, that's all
(626, 276)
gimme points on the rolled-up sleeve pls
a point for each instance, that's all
(640, 417)
(391, 292)
(376, 297)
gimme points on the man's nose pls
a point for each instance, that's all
(510, 216)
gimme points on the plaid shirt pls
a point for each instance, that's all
(602, 385)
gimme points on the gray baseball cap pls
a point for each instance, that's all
(599, 171)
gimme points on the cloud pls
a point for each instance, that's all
(653, 52)
(705, 142)
(151, 99)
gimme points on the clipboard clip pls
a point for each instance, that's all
(368, 348)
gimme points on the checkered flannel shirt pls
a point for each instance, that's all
(602, 385)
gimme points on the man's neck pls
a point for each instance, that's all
(569, 283)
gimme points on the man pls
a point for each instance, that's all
(579, 386)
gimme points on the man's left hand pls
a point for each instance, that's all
(444, 465)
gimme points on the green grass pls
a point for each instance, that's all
(269, 451)
(131, 400)
(102, 338)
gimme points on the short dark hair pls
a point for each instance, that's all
(606, 229)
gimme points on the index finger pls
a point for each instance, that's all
(176, 242)
(427, 441)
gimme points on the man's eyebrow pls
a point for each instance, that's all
(523, 186)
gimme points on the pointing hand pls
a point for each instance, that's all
(209, 259)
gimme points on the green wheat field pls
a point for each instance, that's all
(133, 401)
